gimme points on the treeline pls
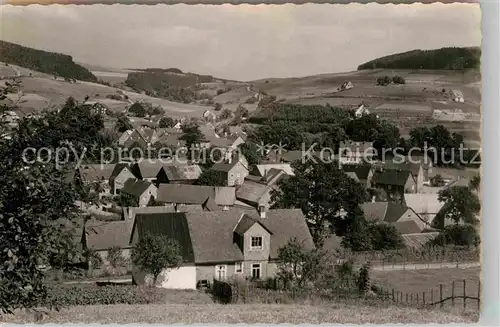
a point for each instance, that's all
(44, 62)
(444, 58)
(170, 83)
(276, 112)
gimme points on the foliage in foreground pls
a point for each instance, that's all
(153, 253)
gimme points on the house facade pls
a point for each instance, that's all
(139, 190)
(178, 174)
(356, 152)
(234, 173)
(395, 183)
(120, 175)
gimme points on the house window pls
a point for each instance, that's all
(256, 270)
(238, 268)
(256, 243)
(220, 272)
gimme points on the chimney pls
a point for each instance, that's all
(262, 212)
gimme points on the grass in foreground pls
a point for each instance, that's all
(250, 314)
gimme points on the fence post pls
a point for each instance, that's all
(465, 300)
(453, 293)
(417, 299)
(411, 298)
(393, 295)
(479, 295)
(441, 295)
(423, 297)
(432, 296)
(406, 297)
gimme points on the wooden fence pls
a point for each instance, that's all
(464, 293)
(459, 293)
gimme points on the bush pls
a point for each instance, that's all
(384, 80)
(218, 107)
(437, 181)
(398, 80)
(114, 97)
(460, 235)
(220, 91)
(61, 295)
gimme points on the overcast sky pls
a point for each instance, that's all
(240, 42)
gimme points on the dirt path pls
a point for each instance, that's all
(419, 266)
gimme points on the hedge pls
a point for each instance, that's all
(70, 295)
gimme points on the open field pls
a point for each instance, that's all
(429, 280)
(249, 314)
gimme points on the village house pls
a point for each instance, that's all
(121, 173)
(234, 173)
(364, 173)
(404, 218)
(132, 138)
(256, 191)
(10, 119)
(457, 96)
(426, 206)
(415, 169)
(395, 183)
(222, 245)
(140, 191)
(97, 173)
(346, 86)
(178, 174)
(148, 169)
(209, 116)
(101, 236)
(209, 197)
(361, 111)
(97, 108)
(356, 152)
(262, 169)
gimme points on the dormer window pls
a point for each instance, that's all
(256, 243)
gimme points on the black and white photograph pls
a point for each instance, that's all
(196, 164)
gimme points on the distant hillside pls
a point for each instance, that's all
(43, 61)
(444, 58)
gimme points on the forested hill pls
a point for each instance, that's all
(444, 58)
(43, 61)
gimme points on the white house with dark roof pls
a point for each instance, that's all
(221, 245)
(178, 174)
(139, 190)
(234, 173)
(210, 197)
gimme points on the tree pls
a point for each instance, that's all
(321, 190)
(154, 253)
(297, 263)
(211, 178)
(459, 235)
(385, 237)
(166, 122)
(138, 110)
(192, 135)
(475, 182)
(383, 80)
(460, 204)
(116, 258)
(242, 111)
(125, 200)
(251, 153)
(123, 124)
(34, 197)
(218, 107)
(437, 181)
(226, 114)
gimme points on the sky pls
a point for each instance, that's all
(241, 42)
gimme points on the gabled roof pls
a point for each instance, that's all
(172, 225)
(97, 172)
(253, 192)
(149, 168)
(212, 232)
(138, 210)
(101, 235)
(418, 240)
(414, 168)
(352, 175)
(407, 227)
(135, 187)
(374, 211)
(423, 203)
(195, 194)
(263, 168)
(246, 222)
(117, 169)
(394, 211)
(391, 177)
(361, 171)
(224, 167)
(182, 172)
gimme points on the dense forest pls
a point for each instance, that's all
(444, 58)
(43, 61)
